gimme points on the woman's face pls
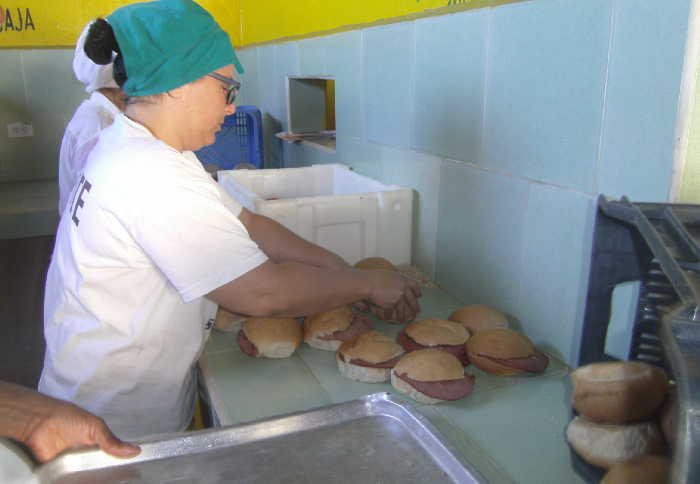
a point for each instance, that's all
(208, 108)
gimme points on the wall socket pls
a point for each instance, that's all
(20, 130)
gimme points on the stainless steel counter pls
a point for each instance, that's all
(511, 428)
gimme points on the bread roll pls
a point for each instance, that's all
(605, 445)
(669, 417)
(618, 392)
(436, 367)
(370, 348)
(228, 321)
(273, 337)
(505, 352)
(374, 263)
(478, 317)
(647, 469)
(434, 331)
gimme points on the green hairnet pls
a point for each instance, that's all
(169, 43)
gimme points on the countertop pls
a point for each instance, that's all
(510, 428)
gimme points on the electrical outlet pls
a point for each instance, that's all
(20, 130)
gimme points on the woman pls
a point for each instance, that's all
(92, 116)
(150, 245)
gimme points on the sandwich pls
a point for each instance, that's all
(439, 334)
(270, 337)
(431, 376)
(369, 357)
(478, 317)
(505, 352)
(329, 329)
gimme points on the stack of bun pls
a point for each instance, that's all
(430, 376)
(270, 337)
(439, 334)
(369, 357)
(329, 329)
(478, 317)
(616, 427)
(505, 352)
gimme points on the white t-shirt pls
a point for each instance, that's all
(146, 234)
(92, 116)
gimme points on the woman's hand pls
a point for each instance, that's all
(396, 295)
(49, 426)
(69, 426)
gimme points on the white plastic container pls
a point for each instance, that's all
(350, 214)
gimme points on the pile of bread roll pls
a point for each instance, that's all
(620, 406)
(427, 359)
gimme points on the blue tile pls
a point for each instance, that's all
(53, 95)
(545, 85)
(449, 93)
(270, 100)
(388, 70)
(481, 226)
(646, 62)
(553, 278)
(287, 64)
(421, 172)
(344, 63)
(364, 158)
(249, 94)
(312, 56)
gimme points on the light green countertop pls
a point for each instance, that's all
(510, 428)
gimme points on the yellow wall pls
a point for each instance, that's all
(57, 23)
(270, 20)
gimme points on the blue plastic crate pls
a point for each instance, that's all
(238, 141)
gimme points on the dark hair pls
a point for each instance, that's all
(100, 43)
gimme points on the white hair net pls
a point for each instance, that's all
(94, 76)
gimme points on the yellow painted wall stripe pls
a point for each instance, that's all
(268, 21)
(57, 23)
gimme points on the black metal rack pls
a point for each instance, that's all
(658, 245)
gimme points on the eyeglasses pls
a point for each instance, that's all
(233, 86)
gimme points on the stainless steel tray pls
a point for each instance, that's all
(374, 439)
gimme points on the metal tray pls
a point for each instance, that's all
(374, 439)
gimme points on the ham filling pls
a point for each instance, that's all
(246, 346)
(409, 344)
(442, 389)
(535, 363)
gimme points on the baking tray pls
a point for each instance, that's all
(374, 439)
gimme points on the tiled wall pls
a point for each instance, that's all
(36, 86)
(507, 122)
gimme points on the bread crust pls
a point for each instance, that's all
(605, 445)
(228, 321)
(647, 469)
(361, 373)
(477, 317)
(618, 392)
(434, 332)
(430, 365)
(498, 343)
(375, 263)
(327, 322)
(370, 346)
(273, 337)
